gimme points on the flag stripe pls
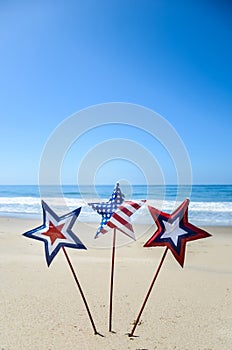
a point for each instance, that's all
(110, 224)
(123, 216)
(119, 218)
(131, 206)
(123, 227)
(134, 205)
(126, 210)
(103, 231)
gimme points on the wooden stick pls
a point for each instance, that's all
(81, 291)
(149, 292)
(112, 281)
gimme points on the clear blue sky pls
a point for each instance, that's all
(58, 57)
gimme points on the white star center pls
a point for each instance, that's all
(173, 231)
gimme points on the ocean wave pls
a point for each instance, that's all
(203, 213)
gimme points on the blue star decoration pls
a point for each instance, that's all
(174, 231)
(56, 232)
(106, 209)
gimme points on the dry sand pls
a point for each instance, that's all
(189, 308)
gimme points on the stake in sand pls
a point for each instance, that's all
(56, 233)
(112, 281)
(116, 215)
(173, 231)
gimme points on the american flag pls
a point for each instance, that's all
(120, 219)
(106, 209)
(116, 213)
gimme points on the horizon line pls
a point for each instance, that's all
(113, 184)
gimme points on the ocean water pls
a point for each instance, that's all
(209, 204)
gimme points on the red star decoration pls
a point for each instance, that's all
(54, 232)
(174, 231)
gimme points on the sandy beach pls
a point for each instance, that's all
(41, 308)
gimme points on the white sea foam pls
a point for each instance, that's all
(205, 213)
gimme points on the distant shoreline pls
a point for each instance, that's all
(210, 205)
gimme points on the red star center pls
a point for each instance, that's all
(54, 232)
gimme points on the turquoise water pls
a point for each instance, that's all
(205, 193)
(209, 204)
